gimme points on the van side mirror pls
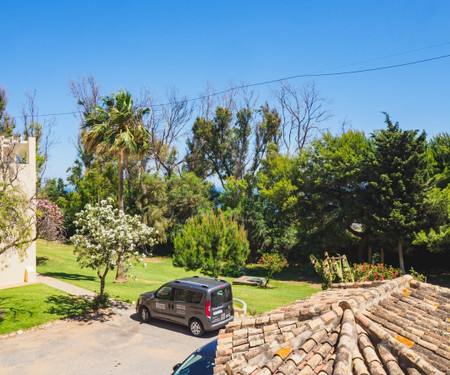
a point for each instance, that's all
(176, 367)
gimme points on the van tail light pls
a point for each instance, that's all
(208, 308)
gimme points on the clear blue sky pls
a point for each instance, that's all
(158, 44)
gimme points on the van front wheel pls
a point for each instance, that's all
(196, 327)
(145, 314)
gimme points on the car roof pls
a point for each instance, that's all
(197, 282)
(209, 349)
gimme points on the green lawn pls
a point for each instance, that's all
(58, 261)
(32, 305)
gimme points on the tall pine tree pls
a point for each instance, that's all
(397, 184)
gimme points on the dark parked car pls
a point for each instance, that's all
(201, 362)
(201, 303)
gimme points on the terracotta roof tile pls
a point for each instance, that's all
(393, 327)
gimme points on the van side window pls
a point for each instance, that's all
(164, 293)
(180, 295)
(194, 297)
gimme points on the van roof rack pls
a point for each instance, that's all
(191, 282)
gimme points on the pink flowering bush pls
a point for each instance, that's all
(272, 263)
(49, 221)
(375, 272)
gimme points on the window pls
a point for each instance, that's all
(221, 296)
(164, 293)
(180, 295)
(194, 297)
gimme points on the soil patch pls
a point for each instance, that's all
(154, 260)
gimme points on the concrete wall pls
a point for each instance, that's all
(14, 269)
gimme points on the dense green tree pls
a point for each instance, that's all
(149, 193)
(222, 147)
(54, 189)
(279, 196)
(334, 192)
(398, 184)
(187, 196)
(439, 149)
(116, 128)
(90, 186)
(435, 234)
(213, 243)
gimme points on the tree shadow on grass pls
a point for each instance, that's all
(41, 261)
(68, 306)
(69, 276)
(11, 311)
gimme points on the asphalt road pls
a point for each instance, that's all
(116, 344)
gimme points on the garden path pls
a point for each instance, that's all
(65, 287)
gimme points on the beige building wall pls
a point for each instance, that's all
(14, 269)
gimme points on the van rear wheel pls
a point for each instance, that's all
(196, 327)
(145, 314)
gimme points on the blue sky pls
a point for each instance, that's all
(159, 44)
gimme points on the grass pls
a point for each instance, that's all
(58, 261)
(32, 305)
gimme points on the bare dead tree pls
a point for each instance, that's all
(166, 124)
(41, 130)
(303, 113)
(86, 92)
(208, 102)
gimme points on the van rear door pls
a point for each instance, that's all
(221, 304)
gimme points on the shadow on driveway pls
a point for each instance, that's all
(172, 326)
(79, 309)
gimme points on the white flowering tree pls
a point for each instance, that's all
(105, 236)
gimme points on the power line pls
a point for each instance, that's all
(315, 75)
(263, 83)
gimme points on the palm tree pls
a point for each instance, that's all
(116, 128)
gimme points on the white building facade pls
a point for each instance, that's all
(16, 268)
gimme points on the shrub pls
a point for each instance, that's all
(100, 301)
(213, 243)
(336, 269)
(50, 225)
(272, 263)
(416, 275)
(375, 272)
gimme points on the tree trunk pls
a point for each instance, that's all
(102, 279)
(382, 255)
(121, 276)
(102, 286)
(120, 193)
(362, 244)
(369, 255)
(400, 256)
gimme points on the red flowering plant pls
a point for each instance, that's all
(375, 272)
(272, 263)
(49, 221)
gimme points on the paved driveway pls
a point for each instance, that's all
(118, 344)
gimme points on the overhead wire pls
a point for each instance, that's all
(287, 78)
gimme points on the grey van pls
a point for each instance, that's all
(201, 303)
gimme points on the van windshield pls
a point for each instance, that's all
(221, 296)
